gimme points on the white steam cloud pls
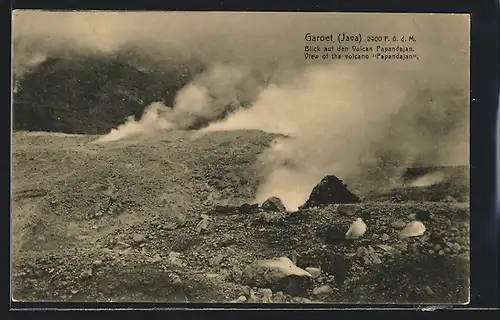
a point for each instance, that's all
(342, 118)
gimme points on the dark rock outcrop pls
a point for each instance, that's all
(331, 190)
(273, 204)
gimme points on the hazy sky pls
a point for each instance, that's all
(442, 40)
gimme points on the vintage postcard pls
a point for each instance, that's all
(240, 157)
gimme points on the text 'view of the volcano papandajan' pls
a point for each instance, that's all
(342, 46)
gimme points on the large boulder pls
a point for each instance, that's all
(331, 190)
(273, 204)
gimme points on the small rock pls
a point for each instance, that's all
(174, 258)
(126, 251)
(214, 261)
(203, 224)
(455, 247)
(356, 230)
(437, 247)
(170, 226)
(211, 275)
(267, 296)
(447, 250)
(441, 252)
(139, 238)
(385, 237)
(412, 229)
(121, 245)
(398, 224)
(176, 280)
(386, 248)
(224, 273)
(326, 289)
(376, 260)
(429, 291)
(431, 251)
(241, 299)
(155, 259)
(86, 274)
(412, 216)
(315, 272)
(246, 290)
(74, 292)
(273, 204)
(252, 298)
(449, 199)
(279, 297)
(97, 263)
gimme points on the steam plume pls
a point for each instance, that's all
(360, 120)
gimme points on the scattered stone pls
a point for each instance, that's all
(224, 273)
(455, 247)
(170, 226)
(214, 261)
(437, 247)
(246, 290)
(369, 256)
(155, 259)
(412, 216)
(294, 255)
(412, 229)
(252, 298)
(267, 295)
(447, 250)
(301, 300)
(97, 263)
(323, 290)
(279, 274)
(449, 199)
(279, 297)
(315, 272)
(429, 291)
(176, 280)
(331, 190)
(86, 274)
(356, 230)
(441, 252)
(273, 204)
(174, 258)
(241, 299)
(74, 292)
(398, 224)
(126, 251)
(211, 275)
(122, 245)
(203, 224)
(386, 248)
(385, 237)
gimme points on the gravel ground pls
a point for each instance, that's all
(142, 221)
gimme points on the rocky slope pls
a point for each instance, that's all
(164, 219)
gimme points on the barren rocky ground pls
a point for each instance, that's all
(161, 219)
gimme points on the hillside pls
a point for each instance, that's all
(143, 221)
(92, 94)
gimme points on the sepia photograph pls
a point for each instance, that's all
(240, 157)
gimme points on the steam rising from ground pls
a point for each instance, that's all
(344, 118)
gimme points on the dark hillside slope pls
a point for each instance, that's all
(92, 94)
